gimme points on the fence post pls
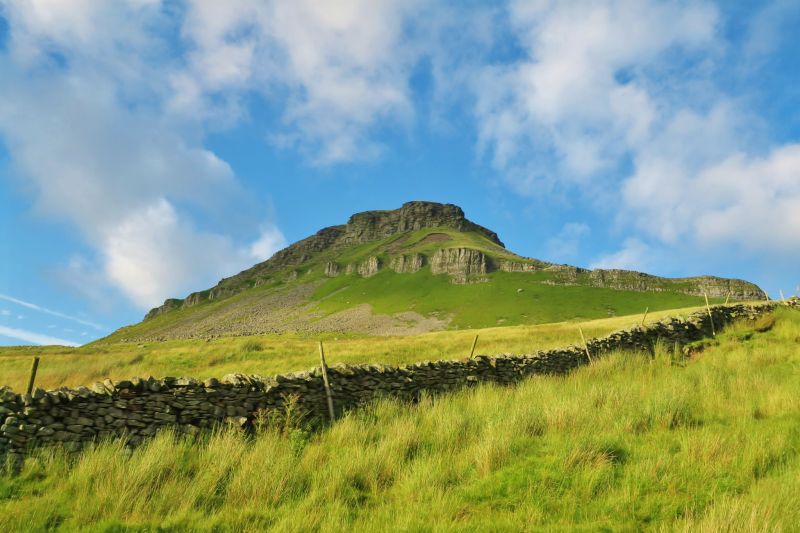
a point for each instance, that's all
(474, 342)
(646, 309)
(727, 297)
(328, 396)
(34, 368)
(585, 345)
(711, 318)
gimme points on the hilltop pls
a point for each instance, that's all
(421, 267)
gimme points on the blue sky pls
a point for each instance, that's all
(149, 148)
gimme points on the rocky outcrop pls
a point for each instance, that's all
(714, 287)
(369, 267)
(360, 228)
(407, 264)
(517, 266)
(169, 305)
(463, 265)
(412, 216)
(331, 269)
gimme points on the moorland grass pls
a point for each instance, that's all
(510, 298)
(271, 354)
(629, 443)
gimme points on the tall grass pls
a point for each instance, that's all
(629, 443)
(271, 354)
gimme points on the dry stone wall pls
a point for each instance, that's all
(136, 409)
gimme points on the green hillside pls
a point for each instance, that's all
(629, 443)
(508, 298)
(422, 267)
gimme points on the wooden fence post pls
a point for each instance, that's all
(34, 368)
(585, 345)
(711, 318)
(646, 309)
(474, 343)
(324, 367)
(727, 297)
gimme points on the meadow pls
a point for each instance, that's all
(632, 442)
(281, 353)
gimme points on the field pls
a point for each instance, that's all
(274, 354)
(628, 443)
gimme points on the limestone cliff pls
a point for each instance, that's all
(461, 264)
(407, 264)
(369, 267)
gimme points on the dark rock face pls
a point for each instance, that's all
(374, 225)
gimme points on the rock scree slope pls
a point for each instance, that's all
(422, 266)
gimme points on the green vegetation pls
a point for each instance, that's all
(282, 353)
(293, 292)
(628, 443)
(509, 298)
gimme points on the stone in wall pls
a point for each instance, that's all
(461, 264)
(407, 264)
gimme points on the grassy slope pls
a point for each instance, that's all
(628, 443)
(482, 305)
(271, 354)
(476, 305)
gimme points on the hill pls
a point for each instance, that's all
(421, 267)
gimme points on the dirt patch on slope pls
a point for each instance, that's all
(361, 319)
(435, 237)
(289, 310)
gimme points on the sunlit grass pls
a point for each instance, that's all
(271, 354)
(630, 443)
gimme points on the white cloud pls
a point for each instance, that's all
(5, 312)
(749, 202)
(565, 244)
(154, 254)
(47, 311)
(82, 112)
(616, 101)
(33, 337)
(340, 68)
(634, 255)
(581, 99)
(271, 241)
